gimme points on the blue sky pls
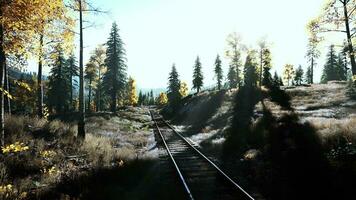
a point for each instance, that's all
(158, 33)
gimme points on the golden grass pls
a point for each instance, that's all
(334, 131)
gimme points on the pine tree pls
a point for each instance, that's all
(232, 77)
(73, 72)
(266, 64)
(140, 98)
(197, 75)
(91, 77)
(276, 80)
(298, 78)
(114, 80)
(288, 73)
(234, 54)
(173, 93)
(341, 67)
(152, 98)
(59, 83)
(218, 72)
(330, 71)
(250, 69)
(308, 76)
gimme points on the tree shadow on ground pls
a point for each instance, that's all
(199, 111)
(136, 180)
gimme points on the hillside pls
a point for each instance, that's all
(204, 117)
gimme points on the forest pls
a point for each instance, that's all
(76, 123)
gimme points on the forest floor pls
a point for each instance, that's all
(44, 160)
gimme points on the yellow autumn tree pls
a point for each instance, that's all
(288, 73)
(131, 91)
(183, 89)
(53, 27)
(18, 25)
(162, 99)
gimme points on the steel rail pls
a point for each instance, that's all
(211, 162)
(172, 158)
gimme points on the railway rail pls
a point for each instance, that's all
(201, 178)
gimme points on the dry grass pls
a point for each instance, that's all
(335, 131)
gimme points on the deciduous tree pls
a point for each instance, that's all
(288, 73)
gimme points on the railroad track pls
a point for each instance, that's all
(200, 177)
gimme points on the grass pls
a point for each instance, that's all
(42, 154)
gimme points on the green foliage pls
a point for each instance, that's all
(59, 83)
(266, 67)
(173, 93)
(114, 80)
(308, 76)
(218, 72)
(73, 72)
(197, 75)
(335, 67)
(298, 78)
(250, 69)
(232, 77)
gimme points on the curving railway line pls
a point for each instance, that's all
(200, 177)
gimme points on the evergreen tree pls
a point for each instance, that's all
(197, 75)
(59, 83)
(173, 93)
(140, 98)
(73, 72)
(152, 98)
(234, 54)
(218, 72)
(298, 78)
(308, 76)
(91, 77)
(250, 69)
(232, 77)
(312, 55)
(266, 64)
(114, 80)
(341, 67)
(276, 79)
(330, 71)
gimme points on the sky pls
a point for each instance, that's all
(158, 33)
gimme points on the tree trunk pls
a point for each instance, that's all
(261, 61)
(98, 107)
(312, 70)
(349, 42)
(2, 66)
(71, 88)
(89, 95)
(7, 88)
(81, 121)
(39, 82)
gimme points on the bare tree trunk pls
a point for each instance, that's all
(98, 104)
(312, 70)
(71, 89)
(261, 61)
(39, 82)
(2, 66)
(89, 95)
(349, 42)
(81, 122)
(7, 88)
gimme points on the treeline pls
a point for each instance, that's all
(44, 30)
